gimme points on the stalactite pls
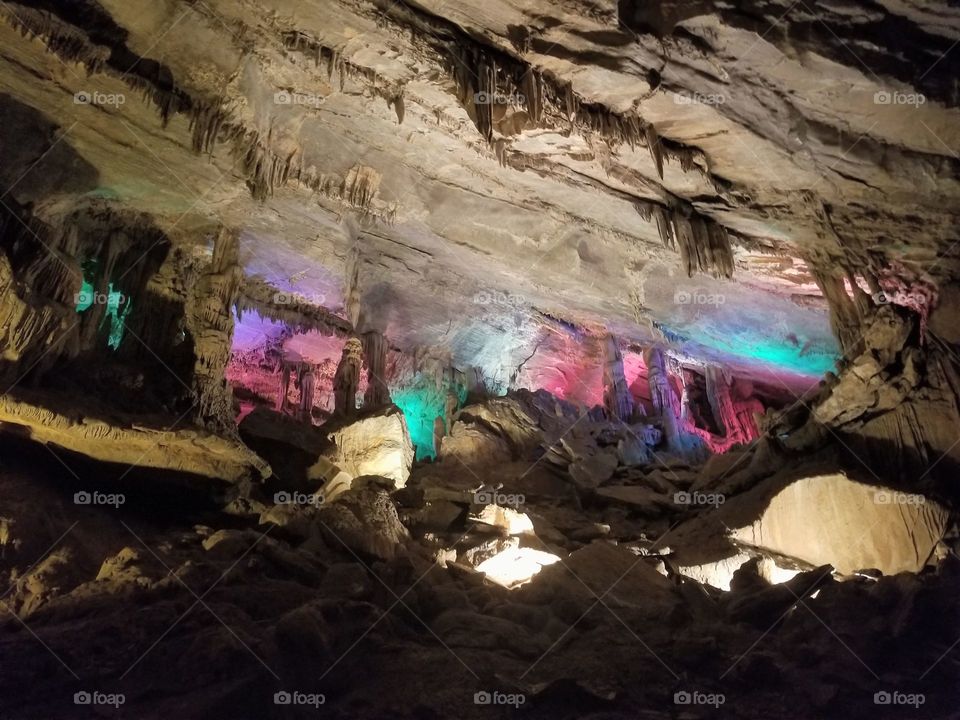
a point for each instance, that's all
(665, 228)
(656, 152)
(532, 87)
(302, 42)
(722, 251)
(206, 121)
(64, 40)
(157, 86)
(478, 69)
(685, 243)
(266, 169)
(863, 303)
(397, 104)
(703, 244)
(258, 296)
(351, 291)
(360, 186)
(644, 209)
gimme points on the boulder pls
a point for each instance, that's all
(593, 471)
(346, 580)
(290, 447)
(473, 445)
(830, 518)
(764, 606)
(462, 628)
(637, 496)
(364, 521)
(513, 426)
(376, 443)
(816, 514)
(601, 569)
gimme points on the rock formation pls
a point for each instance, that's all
(616, 394)
(347, 379)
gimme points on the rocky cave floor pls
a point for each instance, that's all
(190, 609)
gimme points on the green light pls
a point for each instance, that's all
(118, 307)
(770, 353)
(422, 402)
(420, 406)
(117, 317)
(85, 298)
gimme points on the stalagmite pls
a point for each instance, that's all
(616, 393)
(347, 379)
(209, 319)
(718, 394)
(661, 395)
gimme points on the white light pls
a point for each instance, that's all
(775, 574)
(507, 520)
(515, 566)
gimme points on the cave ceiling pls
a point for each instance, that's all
(342, 136)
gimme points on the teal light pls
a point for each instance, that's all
(420, 406)
(118, 307)
(85, 298)
(422, 401)
(764, 351)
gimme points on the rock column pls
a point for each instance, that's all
(209, 319)
(375, 356)
(661, 395)
(616, 392)
(347, 379)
